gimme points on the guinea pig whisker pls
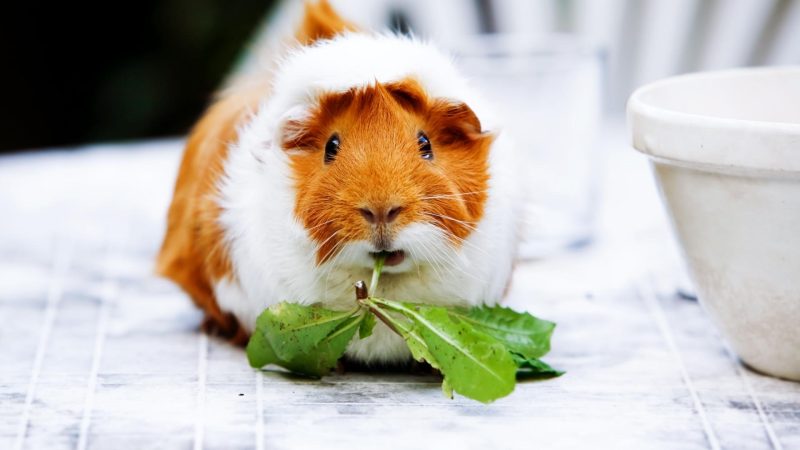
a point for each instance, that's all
(336, 251)
(309, 230)
(332, 264)
(463, 241)
(330, 252)
(321, 244)
(468, 225)
(461, 194)
(453, 262)
(423, 253)
(452, 257)
(416, 263)
(445, 216)
(449, 254)
(460, 269)
(431, 259)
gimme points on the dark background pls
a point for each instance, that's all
(77, 72)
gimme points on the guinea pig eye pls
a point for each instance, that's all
(425, 149)
(331, 148)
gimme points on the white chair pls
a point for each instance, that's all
(644, 39)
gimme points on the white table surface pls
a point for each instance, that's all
(97, 352)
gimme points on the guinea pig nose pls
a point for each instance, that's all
(393, 213)
(378, 216)
(368, 214)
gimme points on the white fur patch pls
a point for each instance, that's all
(272, 254)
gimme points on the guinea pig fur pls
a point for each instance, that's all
(356, 143)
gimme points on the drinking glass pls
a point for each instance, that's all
(547, 92)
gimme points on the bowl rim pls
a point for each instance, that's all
(636, 101)
(654, 130)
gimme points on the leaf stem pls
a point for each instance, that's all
(361, 290)
(376, 273)
(380, 314)
(396, 306)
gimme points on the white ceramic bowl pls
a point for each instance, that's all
(725, 147)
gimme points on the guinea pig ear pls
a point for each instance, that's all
(409, 94)
(294, 129)
(454, 122)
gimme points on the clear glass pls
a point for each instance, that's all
(548, 94)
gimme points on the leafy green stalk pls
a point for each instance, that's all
(368, 321)
(520, 332)
(380, 259)
(532, 368)
(473, 364)
(367, 325)
(324, 357)
(295, 329)
(304, 339)
(480, 351)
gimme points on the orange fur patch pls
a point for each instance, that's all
(379, 165)
(193, 253)
(320, 21)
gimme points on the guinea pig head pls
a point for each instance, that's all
(386, 169)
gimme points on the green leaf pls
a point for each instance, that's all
(259, 351)
(519, 332)
(532, 368)
(416, 343)
(367, 325)
(323, 357)
(403, 326)
(473, 363)
(307, 340)
(447, 390)
(294, 329)
(480, 352)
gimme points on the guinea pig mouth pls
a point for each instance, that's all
(392, 258)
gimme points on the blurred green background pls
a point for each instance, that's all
(77, 72)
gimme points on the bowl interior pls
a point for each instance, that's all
(761, 95)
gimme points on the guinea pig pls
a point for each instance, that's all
(356, 145)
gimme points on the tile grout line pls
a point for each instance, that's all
(259, 410)
(63, 255)
(773, 438)
(109, 294)
(102, 325)
(202, 367)
(657, 311)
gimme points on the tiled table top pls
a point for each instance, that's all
(96, 352)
